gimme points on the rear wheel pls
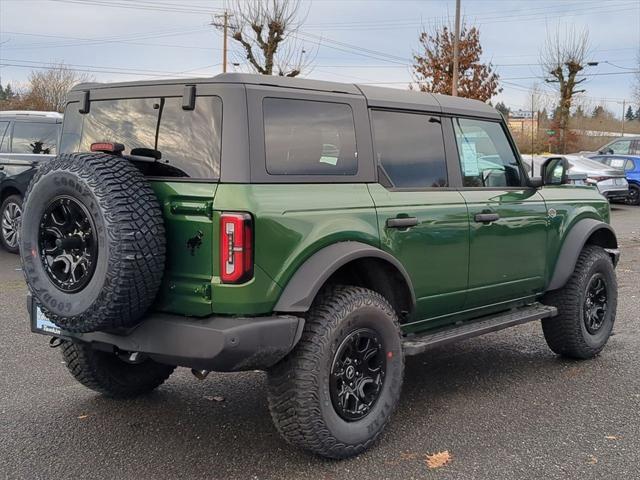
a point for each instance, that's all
(111, 375)
(10, 217)
(335, 393)
(586, 307)
(634, 195)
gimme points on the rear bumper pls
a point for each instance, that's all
(615, 193)
(224, 344)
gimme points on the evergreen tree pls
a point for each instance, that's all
(2, 97)
(630, 115)
(638, 114)
(503, 109)
(8, 93)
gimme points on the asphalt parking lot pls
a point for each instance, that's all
(502, 405)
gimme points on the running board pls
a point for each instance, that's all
(417, 344)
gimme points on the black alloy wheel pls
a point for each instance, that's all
(595, 304)
(67, 244)
(357, 374)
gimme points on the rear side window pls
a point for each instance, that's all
(486, 157)
(410, 149)
(4, 139)
(304, 137)
(35, 138)
(189, 141)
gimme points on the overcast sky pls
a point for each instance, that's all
(360, 41)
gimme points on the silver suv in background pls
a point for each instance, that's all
(26, 139)
(610, 182)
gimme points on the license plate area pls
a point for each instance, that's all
(41, 324)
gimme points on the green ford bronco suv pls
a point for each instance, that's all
(315, 230)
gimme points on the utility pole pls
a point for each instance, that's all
(456, 52)
(225, 27)
(624, 104)
(532, 123)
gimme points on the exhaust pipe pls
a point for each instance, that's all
(200, 374)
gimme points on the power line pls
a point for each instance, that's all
(141, 5)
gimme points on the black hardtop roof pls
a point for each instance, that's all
(375, 96)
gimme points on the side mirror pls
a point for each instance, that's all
(554, 171)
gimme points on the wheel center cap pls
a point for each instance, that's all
(350, 372)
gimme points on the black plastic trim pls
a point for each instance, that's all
(305, 284)
(571, 248)
(224, 344)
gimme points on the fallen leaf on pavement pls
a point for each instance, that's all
(611, 437)
(217, 398)
(82, 417)
(438, 460)
(592, 460)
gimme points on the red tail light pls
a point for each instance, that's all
(236, 247)
(107, 147)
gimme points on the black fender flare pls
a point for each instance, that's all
(574, 241)
(314, 272)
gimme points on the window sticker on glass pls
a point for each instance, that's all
(469, 157)
(617, 163)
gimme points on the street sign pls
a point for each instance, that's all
(551, 132)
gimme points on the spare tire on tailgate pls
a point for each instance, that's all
(92, 242)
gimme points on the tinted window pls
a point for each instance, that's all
(188, 140)
(304, 137)
(4, 140)
(486, 157)
(620, 147)
(34, 137)
(130, 122)
(410, 148)
(72, 129)
(635, 148)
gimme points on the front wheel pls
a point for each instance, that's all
(634, 195)
(10, 217)
(335, 393)
(586, 307)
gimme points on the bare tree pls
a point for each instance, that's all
(563, 57)
(266, 31)
(47, 89)
(433, 65)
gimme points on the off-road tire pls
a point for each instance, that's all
(298, 386)
(111, 376)
(634, 195)
(7, 202)
(130, 237)
(567, 334)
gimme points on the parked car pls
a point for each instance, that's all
(622, 146)
(26, 139)
(316, 230)
(610, 182)
(630, 164)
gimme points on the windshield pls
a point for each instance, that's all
(187, 140)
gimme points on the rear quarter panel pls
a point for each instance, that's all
(292, 222)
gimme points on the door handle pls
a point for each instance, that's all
(486, 217)
(401, 222)
(1, 167)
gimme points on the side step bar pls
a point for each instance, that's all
(414, 345)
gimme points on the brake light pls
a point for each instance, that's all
(236, 247)
(107, 147)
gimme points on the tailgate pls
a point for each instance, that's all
(188, 216)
